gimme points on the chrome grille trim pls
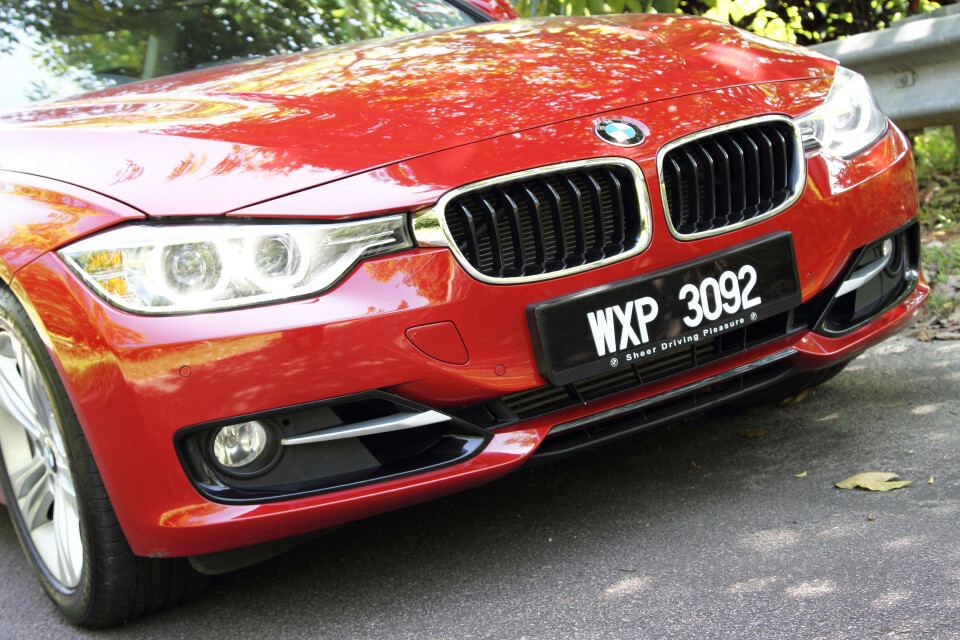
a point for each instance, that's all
(432, 230)
(796, 180)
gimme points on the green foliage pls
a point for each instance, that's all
(532, 8)
(942, 262)
(935, 150)
(800, 21)
(131, 39)
(757, 16)
(808, 21)
(938, 175)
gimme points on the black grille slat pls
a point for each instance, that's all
(709, 188)
(579, 221)
(765, 148)
(596, 206)
(536, 220)
(781, 170)
(729, 177)
(738, 182)
(693, 185)
(721, 162)
(471, 243)
(512, 212)
(616, 194)
(673, 180)
(555, 220)
(491, 230)
(556, 217)
(751, 155)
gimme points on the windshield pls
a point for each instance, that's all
(53, 49)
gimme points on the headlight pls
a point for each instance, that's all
(187, 268)
(849, 121)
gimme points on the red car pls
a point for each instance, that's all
(247, 302)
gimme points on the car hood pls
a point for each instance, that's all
(214, 140)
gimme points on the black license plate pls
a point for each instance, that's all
(623, 323)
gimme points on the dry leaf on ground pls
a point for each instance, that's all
(800, 397)
(884, 486)
(753, 433)
(873, 481)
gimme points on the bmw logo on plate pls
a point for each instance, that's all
(619, 132)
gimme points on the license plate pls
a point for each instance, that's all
(623, 323)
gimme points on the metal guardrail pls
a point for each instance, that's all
(912, 67)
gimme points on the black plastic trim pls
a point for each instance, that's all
(631, 422)
(189, 441)
(909, 288)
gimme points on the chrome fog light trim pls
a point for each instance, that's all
(387, 424)
(866, 273)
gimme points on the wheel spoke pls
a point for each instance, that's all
(27, 477)
(35, 503)
(66, 534)
(13, 390)
(36, 392)
(65, 485)
(13, 396)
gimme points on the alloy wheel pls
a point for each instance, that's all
(38, 466)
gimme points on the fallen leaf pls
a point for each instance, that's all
(872, 476)
(753, 433)
(884, 486)
(873, 481)
(695, 465)
(871, 518)
(801, 475)
(800, 397)
(930, 481)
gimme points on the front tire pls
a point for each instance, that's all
(56, 497)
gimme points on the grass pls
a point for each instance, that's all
(938, 176)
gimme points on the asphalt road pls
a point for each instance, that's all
(688, 532)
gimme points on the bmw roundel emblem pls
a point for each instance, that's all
(619, 132)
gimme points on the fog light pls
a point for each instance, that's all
(893, 250)
(244, 447)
